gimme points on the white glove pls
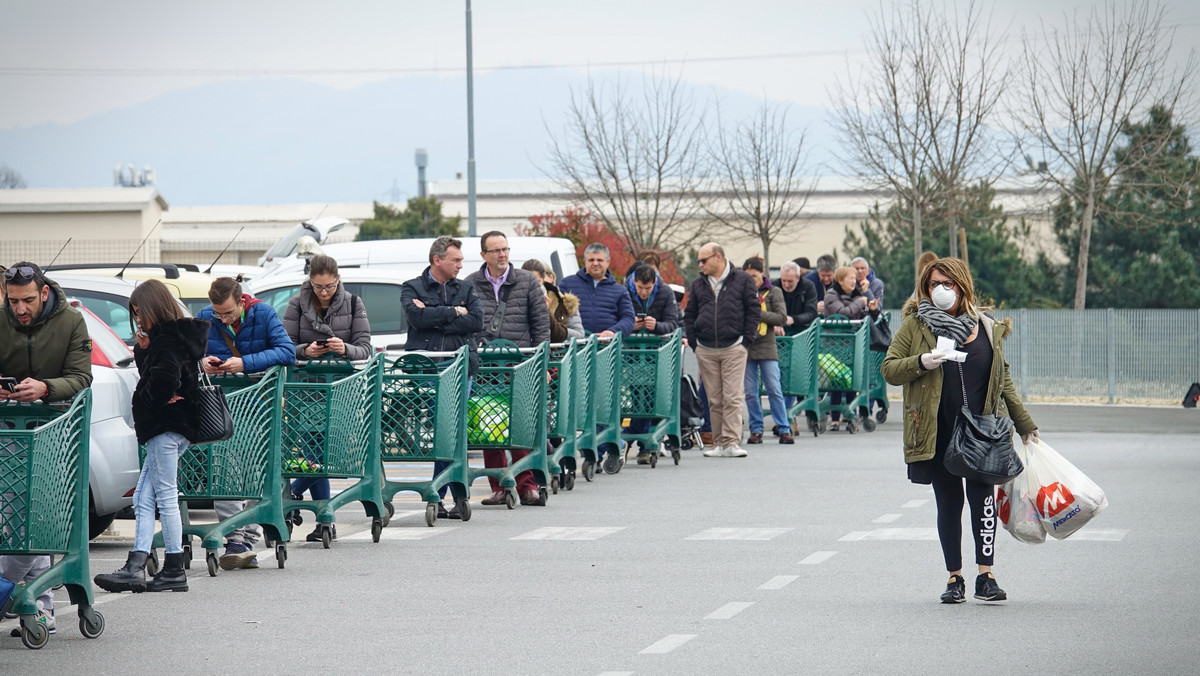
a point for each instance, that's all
(932, 360)
(1025, 438)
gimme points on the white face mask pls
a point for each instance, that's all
(943, 298)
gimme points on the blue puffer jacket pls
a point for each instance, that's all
(604, 306)
(262, 339)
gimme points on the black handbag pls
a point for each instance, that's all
(981, 446)
(216, 422)
(881, 335)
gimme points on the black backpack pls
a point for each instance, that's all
(1192, 396)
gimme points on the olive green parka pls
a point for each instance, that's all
(923, 389)
(54, 349)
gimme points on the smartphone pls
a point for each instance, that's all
(641, 316)
(8, 383)
(323, 343)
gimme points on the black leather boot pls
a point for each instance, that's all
(171, 577)
(130, 577)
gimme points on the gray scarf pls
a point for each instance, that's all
(942, 324)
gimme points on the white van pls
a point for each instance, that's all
(412, 255)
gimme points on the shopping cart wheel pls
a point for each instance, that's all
(653, 460)
(569, 481)
(187, 556)
(612, 463)
(213, 565)
(297, 519)
(510, 498)
(881, 416)
(430, 514)
(851, 426)
(686, 443)
(33, 633)
(376, 530)
(327, 533)
(589, 470)
(868, 424)
(676, 455)
(391, 511)
(152, 563)
(543, 495)
(464, 508)
(91, 622)
(554, 484)
(280, 554)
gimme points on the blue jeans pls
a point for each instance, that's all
(770, 376)
(703, 395)
(158, 487)
(319, 488)
(639, 426)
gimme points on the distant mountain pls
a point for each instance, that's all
(284, 141)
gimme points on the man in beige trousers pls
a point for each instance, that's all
(721, 321)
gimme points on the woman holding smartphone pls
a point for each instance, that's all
(166, 414)
(325, 320)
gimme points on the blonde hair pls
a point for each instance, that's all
(842, 273)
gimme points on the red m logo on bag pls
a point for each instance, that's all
(1053, 499)
(1002, 498)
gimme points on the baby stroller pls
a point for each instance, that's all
(691, 414)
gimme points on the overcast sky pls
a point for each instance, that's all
(61, 62)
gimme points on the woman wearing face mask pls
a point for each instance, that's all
(847, 298)
(933, 396)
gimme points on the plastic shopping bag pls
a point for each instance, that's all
(1017, 502)
(1066, 498)
(832, 374)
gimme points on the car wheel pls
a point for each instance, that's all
(98, 523)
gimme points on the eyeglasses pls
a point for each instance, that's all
(24, 272)
(701, 261)
(229, 315)
(325, 287)
(497, 251)
(950, 286)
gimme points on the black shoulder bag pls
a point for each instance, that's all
(881, 335)
(216, 422)
(981, 446)
(498, 316)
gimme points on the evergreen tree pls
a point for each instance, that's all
(1145, 248)
(421, 218)
(996, 250)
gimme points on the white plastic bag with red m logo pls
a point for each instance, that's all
(1017, 504)
(1066, 499)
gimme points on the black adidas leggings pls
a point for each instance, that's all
(948, 493)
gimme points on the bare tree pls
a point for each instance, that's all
(964, 93)
(637, 162)
(9, 178)
(1081, 81)
(759, 167)
(885, 137)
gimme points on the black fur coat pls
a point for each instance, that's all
(166, 368)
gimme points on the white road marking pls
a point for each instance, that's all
(728, 610)
(778, 582)
(817, 557)
(616, 673)
(1114, 535)
(888, 518)
(912, 504)
(568, 533)
(667, 644)
(891, 534)
(402, 533)
(738, 534)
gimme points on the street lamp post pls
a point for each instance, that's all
(470, 132)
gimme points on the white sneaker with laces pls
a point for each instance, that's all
(714, 452)
(735, 452)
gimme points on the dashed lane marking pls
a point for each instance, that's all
(728, 610)
(817, 557)
(778, 582)
(888, 518)
(616, 673)
(738, 534)
(912, 504)
(402, 533)
(568, 533)
(891, 534)
(667, 644)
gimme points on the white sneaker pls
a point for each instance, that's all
(735, 452)
(715, 452)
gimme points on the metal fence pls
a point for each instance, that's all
(1110, 356)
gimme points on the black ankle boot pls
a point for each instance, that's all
(130, 577)
(171, 577)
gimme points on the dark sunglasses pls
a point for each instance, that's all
(23, 272)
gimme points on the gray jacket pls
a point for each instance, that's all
(526, 321)
(304, 324)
